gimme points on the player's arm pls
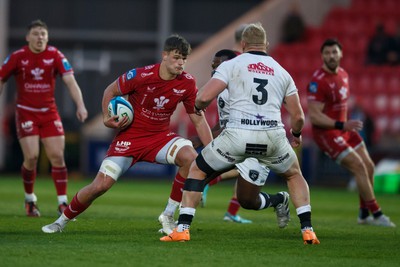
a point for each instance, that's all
(208, 93)
(320, 119)
(76, 95)
(111, 91)
(215, 131)
(296, 114)
(202, 128)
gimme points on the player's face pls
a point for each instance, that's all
(331, 56)
(216, 62)
(175, 62)
(37, 39)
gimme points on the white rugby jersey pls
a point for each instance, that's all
(257, 85)
(223, 108)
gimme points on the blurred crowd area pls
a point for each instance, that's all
(116, 36)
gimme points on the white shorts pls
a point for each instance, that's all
(253, 172)
(270, 148)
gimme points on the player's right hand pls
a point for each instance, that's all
(112, 122)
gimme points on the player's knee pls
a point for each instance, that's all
(181, 153)
(31, 159)
(189, 155)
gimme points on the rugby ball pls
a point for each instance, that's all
(120, 106)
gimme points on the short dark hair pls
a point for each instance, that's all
(330, 42)
(177, 42)
(226, 53)
(37, 23)
(238, 32)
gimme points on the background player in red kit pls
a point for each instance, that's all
(154, 92)
(35, 67)
(328, 93)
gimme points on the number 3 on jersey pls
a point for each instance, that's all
(257, 99)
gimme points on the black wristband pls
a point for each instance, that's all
(297, 135)
(197, 109)
(339, 125)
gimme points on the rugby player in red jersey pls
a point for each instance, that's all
(154, 92)
(337, 136)
(35, 68)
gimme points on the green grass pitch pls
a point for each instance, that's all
(121, 229)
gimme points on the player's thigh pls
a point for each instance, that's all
(281, 155)
(247, 192)
(54, 146)
(224, 152)
(114, 166)
(30, 146)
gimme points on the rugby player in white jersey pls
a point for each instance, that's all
(258, 86)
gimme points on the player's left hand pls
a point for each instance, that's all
(81, 114)
(295, 142)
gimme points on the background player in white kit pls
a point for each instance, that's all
(279, 201)
(257, 87)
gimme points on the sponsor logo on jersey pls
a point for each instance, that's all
(25, 62)
(343, 92)
(122, 146)
(313, 87)
(260, 68)
(221, 102)
(131, 74)
(256, 149)
(281, 159)
(339, 140)
(145, 74)
(160, 102)
(48, 61)
(41, 86)
(66, 64)
(225, 155)
(37, 74)
(259, 121)
(178, 92)
(27, 126)
(58, 125)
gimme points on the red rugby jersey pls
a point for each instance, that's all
(154, 100)
(35, 75)
(333, 90)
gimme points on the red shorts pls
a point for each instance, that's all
(140, 148)
(334, 142)
(44, 124)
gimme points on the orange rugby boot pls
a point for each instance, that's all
(176, 236)
(310, 238)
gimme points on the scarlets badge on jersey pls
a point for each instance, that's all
(66, 64)
(312, 87)
(131, 74)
